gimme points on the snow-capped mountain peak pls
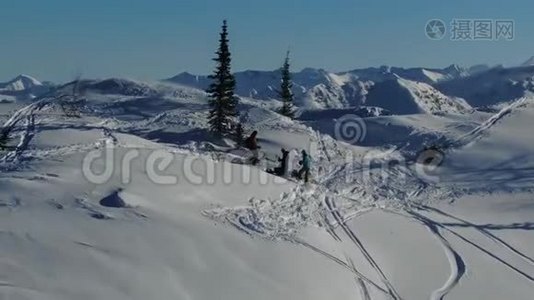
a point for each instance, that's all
(22, 87)
(453, 68)
(21, 83)
(529, 62)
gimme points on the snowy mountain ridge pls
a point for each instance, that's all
(402, 96)
(319, 89)
(479, 85)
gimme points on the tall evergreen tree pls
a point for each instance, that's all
(223, 102)
(285, 92)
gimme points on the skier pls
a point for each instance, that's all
(305, 169)
(251, 143)
(281, 170)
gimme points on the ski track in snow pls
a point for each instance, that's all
(494, 256)
(479, 131)
(363, 289)
(332, 207)
(392, 196)
(456, 262)
(340, 262)
(364, 292)
(12, 159)
(26, 136)
(483, 231)
(282, 219)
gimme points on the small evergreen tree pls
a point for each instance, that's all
(285, 92)
(223, 102)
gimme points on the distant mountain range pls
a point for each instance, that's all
(387, 87)
(319, 89)
(393, 90)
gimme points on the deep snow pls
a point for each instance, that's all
(373, 224)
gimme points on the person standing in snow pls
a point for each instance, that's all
(306, 164)
(251, 143)
(281, 170)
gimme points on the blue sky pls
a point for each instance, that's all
(59, 39)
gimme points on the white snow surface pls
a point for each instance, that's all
(373, 223)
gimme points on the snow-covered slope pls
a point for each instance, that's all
(491, 87)
(506, 133)
(372, 214)
(401, 96)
